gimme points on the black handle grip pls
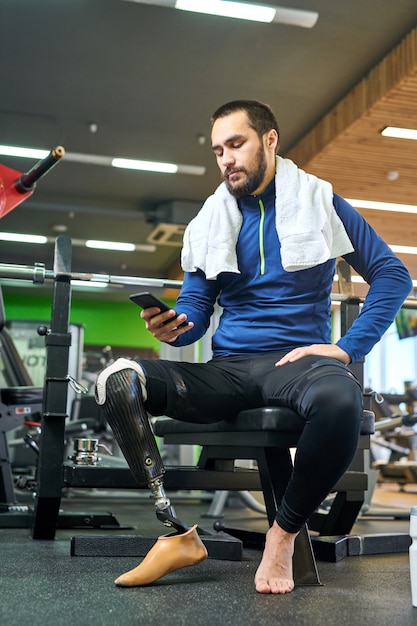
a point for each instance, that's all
(28, 181)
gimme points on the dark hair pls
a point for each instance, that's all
(260, 115)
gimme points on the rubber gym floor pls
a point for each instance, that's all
(41, 584)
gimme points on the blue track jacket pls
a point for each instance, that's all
(266, 308)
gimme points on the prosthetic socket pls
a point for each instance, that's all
(121, 399)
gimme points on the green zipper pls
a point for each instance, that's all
(261, 237)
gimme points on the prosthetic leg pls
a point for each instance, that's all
(121, 390)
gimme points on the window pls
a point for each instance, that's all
(391, 362)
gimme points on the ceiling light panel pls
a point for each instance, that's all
(237, 10)
(403, 249)
(383, 206)
(110, 245)
(242, 10)
(23, 238)
(399, 133)
(148, 166)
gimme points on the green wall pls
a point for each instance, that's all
(105, 323)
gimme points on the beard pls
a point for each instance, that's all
(255, 174)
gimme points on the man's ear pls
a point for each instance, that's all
(272, 140)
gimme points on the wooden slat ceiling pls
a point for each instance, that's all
(347, 149)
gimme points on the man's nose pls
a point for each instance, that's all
(227, 158)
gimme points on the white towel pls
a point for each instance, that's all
(308, 227)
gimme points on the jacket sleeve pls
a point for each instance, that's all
(196, 299)
(388, 279)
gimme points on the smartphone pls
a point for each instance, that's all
(145, 300)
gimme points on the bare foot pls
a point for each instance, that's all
(274, 574)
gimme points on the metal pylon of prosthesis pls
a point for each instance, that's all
(129, 422)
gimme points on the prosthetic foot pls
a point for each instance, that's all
(120, 390)
(169, 553)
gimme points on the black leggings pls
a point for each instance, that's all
(321, 390)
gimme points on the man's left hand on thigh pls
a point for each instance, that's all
(320, 349)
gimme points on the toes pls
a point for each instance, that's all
(281, 586)
(275, 586)
(262, 586)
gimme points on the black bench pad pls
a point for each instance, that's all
(268, 419)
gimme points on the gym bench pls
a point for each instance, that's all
(266, 436)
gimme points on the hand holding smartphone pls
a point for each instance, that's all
(146, 300)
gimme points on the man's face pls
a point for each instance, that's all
(241, 155)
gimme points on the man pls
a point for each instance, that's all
(264, 246)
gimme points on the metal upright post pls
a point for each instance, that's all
(52, 440)
(349, 311)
